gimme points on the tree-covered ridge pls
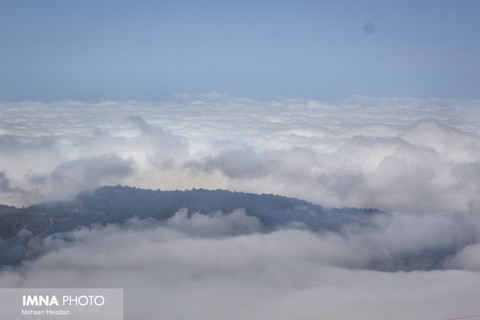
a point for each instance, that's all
(21, 230)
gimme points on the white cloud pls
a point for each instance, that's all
(72, 177)
(393, 154)
(214, 224)
(206, 267)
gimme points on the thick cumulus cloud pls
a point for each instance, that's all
(226, 265)
(416, 155)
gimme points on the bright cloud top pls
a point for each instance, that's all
(417, 155)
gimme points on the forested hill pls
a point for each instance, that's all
(21, 230)
(125, 202)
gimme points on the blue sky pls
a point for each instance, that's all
(150, 50)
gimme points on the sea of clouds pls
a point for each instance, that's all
(392, 154)
(418, 160)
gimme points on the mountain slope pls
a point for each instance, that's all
(21, 230)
